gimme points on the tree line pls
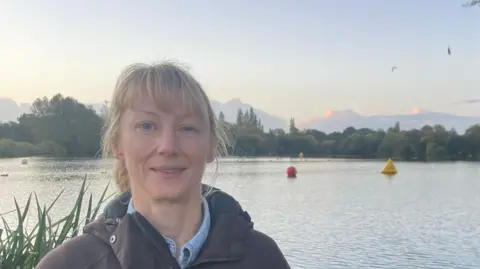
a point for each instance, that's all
(60, 126)
(63, 127)
(430, 143)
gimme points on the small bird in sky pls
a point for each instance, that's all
(393, 68)
(449, 51)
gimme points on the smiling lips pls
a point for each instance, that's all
(168, 172)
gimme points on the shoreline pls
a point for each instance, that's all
(267, 157)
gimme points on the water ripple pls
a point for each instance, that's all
(336, 214)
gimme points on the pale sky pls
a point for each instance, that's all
(289, 58)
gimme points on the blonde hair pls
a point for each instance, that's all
(164, 83)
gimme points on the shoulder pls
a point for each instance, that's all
(81, 252)
(264, 250)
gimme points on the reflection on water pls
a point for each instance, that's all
(336, 214)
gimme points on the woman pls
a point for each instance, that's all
(163, 132)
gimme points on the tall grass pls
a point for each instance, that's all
(22, 249)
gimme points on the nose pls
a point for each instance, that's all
(167, 143)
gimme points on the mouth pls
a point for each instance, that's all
(168, 172)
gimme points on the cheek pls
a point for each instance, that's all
(134, 148)
(197, 150)
(135, 156)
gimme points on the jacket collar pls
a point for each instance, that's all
(229, 227)
(195, 244)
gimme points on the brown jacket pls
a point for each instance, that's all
(117, 240)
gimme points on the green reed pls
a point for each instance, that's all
(22, 249)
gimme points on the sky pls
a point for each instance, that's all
(290, 58)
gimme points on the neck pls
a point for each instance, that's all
(179, 220)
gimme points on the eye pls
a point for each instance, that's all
(188, 129)
(146, 126)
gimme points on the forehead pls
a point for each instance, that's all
(174, 107)
(178, 102)
(163, 88)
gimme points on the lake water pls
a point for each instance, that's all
(336, 214)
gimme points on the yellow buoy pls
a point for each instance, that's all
(389, 168)
(300, 155)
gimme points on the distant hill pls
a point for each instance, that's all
(10, 111)
(332, 121)
(339, 120)
(230, 109)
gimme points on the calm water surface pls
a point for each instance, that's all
(336, 214)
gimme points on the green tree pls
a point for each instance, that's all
(253, 117)
(240, 117)
(293, 129)
(221, 117)
(61, 126)
(66, 122)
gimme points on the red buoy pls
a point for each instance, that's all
(291, 172)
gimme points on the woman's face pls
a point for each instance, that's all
(165, 152)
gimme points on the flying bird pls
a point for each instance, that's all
(449, 51)
(393, 68)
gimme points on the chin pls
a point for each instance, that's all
(167, 194)
(170, 190)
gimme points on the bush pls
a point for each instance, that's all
(50, 148)
(12, 149)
